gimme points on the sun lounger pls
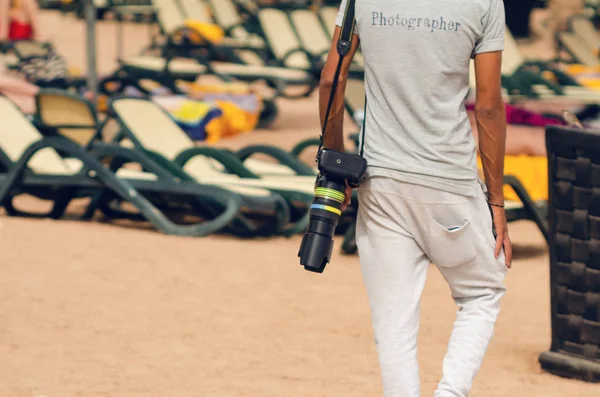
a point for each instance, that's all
(167, 71)
(286, 83)
(182, 63)
(62, 114)
(150, 129)
(284, 45)
(30, 163)
(519, 83)
(514, 62)
(172, 16)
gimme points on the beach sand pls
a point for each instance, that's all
(97, 309)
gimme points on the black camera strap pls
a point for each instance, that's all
(343, 47)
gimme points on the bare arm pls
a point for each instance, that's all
(334, 135)
(4, 8)
(490, 115)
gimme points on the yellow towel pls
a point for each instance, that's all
(207, 31)
(531, 171)
(234, 121)
(240, 103)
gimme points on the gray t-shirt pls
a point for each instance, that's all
(417, 55)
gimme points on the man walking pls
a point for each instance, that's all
(422, 200)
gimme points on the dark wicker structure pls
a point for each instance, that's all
(574, 219)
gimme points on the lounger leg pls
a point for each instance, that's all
(529, 205)
(268, 114)
(93, 205)
(301, 224)
(61, 204)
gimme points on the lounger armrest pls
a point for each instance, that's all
(68, 147)
(121, 155)
(280, 155)
(302, 146)
(168, 165)
(228, 160)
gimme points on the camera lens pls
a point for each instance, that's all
(325, 211)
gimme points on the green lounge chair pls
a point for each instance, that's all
(59, 113)
(169, 71)
(522, 79)
(250, 49)
(150, 129)
(180, 61)
(30, 163)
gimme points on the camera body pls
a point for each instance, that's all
(342, 167)
(336, 169)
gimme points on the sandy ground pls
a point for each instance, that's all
(95, 309)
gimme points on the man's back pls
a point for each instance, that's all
(417, 55)
(421, 202)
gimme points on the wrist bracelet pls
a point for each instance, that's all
(496, 205)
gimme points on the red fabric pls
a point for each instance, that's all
(19, 31)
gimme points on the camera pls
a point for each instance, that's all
(336, 170)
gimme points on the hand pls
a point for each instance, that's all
(502, 239)
(348, 197)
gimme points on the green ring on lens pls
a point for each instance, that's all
(330, 193)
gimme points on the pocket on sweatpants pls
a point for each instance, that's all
(451, 245)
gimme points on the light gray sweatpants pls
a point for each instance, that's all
(401, 228)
